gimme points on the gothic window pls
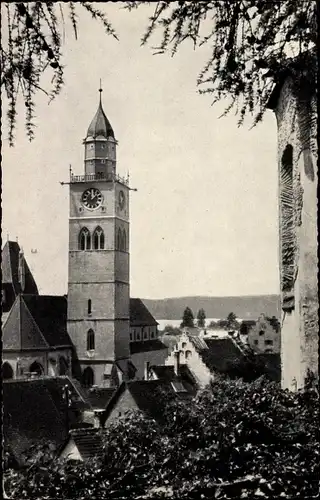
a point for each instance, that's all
(90, 340)
(87, 377)
(98, 238)
(89, 306)
(7, 371)
(188, 354)
(84, 239)
(287, 219)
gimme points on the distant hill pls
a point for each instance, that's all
(245, 307)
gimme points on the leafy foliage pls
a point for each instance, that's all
(234, 440)
(230, 323)
(171, 330)
(32, 47)
(187, 318)
(250, 40)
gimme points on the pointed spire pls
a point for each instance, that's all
(100, 124)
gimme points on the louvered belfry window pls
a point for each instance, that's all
(287, 228)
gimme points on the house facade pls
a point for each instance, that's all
(264, 336)
(294, 103)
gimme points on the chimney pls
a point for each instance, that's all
(21, 270)
(146, 370)
(176, 362)
(97, 414)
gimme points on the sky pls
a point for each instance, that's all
(204, 218)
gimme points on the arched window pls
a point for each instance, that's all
(87, 377)
(188, 354)
(124, 241)
(89, 306)
(90, 340)
(119, 239)
(7, 371)
(36, 368)
(98, 239)
(63, 366)
(84, 239)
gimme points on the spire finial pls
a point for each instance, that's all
(100, 89)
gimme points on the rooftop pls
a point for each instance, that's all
(140, 315)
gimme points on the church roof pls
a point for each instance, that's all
(10, 269)
(36, 322)
(100, 125)
(140, 315)
(147, 346)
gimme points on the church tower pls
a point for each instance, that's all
(98, 282)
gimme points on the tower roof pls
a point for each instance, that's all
(100, 125)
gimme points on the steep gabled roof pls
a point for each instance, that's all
(150, 396)
(140, 315)
(30, 416)
(36, 322)
(10, 269)
(50, 315)
(146, 346)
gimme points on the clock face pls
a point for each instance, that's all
(121, 199)
(92, 198)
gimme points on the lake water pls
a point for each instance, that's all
(176, 322)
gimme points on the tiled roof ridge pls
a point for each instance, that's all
(33, 320)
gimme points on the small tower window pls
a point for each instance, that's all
(84, 239)
(90, 340)
(119, 240)
(98, 239)
(89, 306)
(124, 241)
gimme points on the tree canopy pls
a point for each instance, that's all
(251, 43)
(187, 318)
(233, 440)
(201, 318)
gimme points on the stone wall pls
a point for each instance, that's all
(297, 153)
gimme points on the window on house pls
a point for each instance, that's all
(268, 342)
(256, 342)
(188, 354)
(90, 340)
(145, 333)
(131, 336)
(98, 238)
(138, 336)
(89, 306)
(184, 344)
(261, 333)
(84, 239)
(152, 334)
